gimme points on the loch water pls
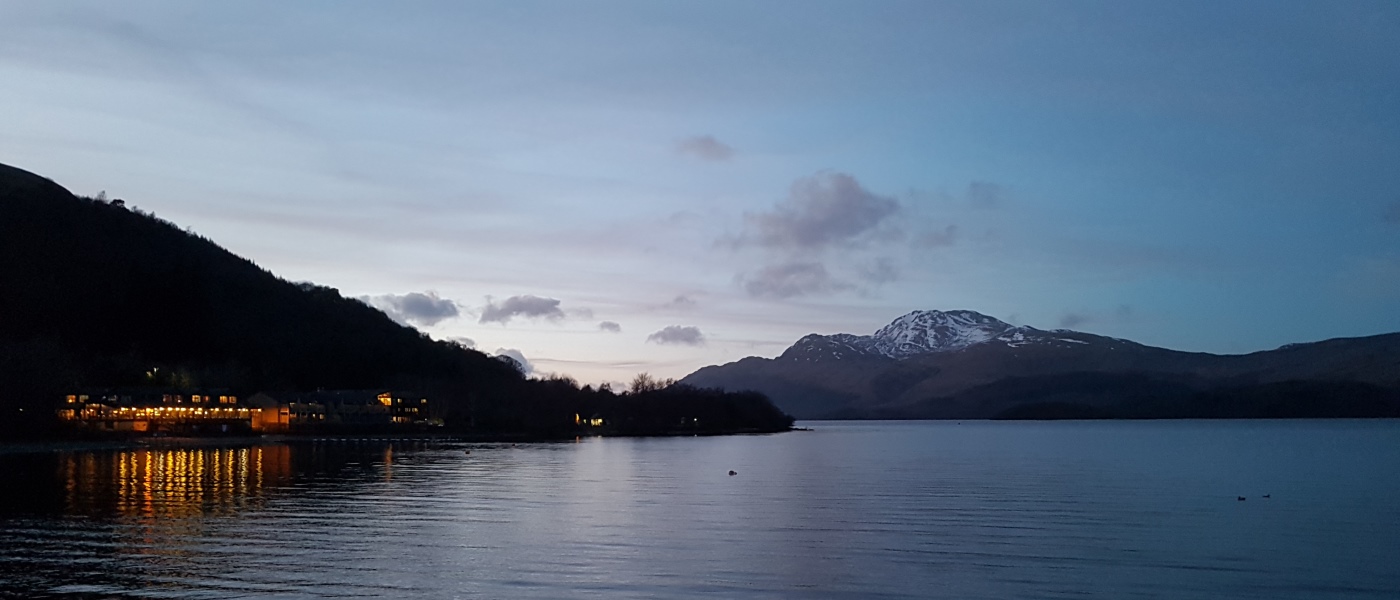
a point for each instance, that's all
(846, 510)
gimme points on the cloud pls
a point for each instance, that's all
(526, 367)
(678, 335)
(521, 306)
(705, 147)
(937, 239)
(824, 210)
(425, 309)
(985, 194)
(610, 326)
(790, 279)
(1072, 320)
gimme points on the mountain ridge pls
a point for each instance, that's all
(929, 331)
(956, 364)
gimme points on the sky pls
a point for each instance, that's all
(607, 188)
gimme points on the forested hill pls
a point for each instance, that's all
(97, 293)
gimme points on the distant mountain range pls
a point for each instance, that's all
(962, 364)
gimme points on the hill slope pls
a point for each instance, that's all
(962, 364)
(96, 294)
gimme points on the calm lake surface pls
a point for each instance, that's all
(848, 510)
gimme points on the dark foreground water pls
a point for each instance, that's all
(849, 510)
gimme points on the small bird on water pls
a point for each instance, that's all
(1241, 499)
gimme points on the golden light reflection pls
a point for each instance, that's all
(175, 482)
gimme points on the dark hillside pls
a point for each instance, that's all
(97, 293)
(100, 278)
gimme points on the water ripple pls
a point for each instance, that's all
(861, 510)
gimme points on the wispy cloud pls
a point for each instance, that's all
(828, 220)
(425, 308)
(521, 306)
(705, 147)
(821, 211)
(610, 326)
(790, 279)
(678, 335)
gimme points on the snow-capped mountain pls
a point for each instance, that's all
(920, 332)
(964, 364)
(929, 331)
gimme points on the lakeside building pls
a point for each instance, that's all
(212, 412)
(348, 408)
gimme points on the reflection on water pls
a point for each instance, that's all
(850, 510)
(171, 483)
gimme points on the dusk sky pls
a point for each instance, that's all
(606, 188)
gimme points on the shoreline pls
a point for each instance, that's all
(137, 443)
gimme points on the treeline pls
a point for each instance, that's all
(94, 293)
(559, 407)
(1141, 396)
